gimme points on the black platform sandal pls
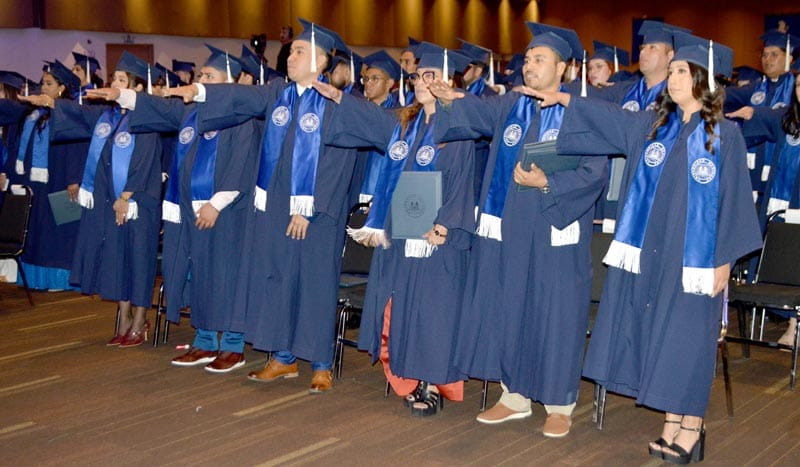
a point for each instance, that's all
(417, 395)
(661, 442)
(432, 403)
(695, 454)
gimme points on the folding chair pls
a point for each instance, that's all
(776, 287)
(356, 260)
(14, 218)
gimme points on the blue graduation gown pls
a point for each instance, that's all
(116, 262)
(201, 265)
(288, 287)
(651, 340)
(48, 245)
(535, 345)
(426, 293)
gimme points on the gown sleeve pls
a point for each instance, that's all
(594, 127)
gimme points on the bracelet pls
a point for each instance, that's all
(439, 234)
(123, 198)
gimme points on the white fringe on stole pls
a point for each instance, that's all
(369, 236)
(755, 196)
(17, 189)
(776, 204)
(39, 174)
(609, 225)
(490, 227)
(170, 212)
(792, 216)
(19, 167)
(419, 248)
(133, 211)
(260, 201)
(623, 256)
(85, 198)
(364, 198)
(303, 205)
(698, 281)
(569, 235)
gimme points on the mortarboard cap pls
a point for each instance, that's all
(412, 45)
(432, 56)
(606, 52)
(695, 50)
(251, 63)
(478, 54)
(385, 62)
(220, 60)
(133, 64)
(178, 65)
(564, 42)
(174, 80)
(516, 62)
(658, 31)
(80, 59)
(796, 65)
(61, 73)
(13, 79)
(747, 74)
(325, 38)
(775, 38)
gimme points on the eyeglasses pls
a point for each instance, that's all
(371, 79)
(427, 77)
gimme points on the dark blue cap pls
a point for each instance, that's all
(13, 79)
(606, 52)
(325, 38)
(622, 75)
(218, 58)
(80, 59)
(62, 74)
(134, 65)
(775, 38)
(694, 49)
(658, 31)
(174, 80)
(178, 65)
(478, 54)
(251, 63)
(516, 62)
(796, 65)
(564, 42)
(747, 73)
(432, 56)
(383, 61)
(412, 45)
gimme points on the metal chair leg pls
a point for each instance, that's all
(599, 405)
(742, 326)
(24, 281)
(338, 350)
(159, 313)
(723, 347)
(793, 376)
(763, 319)
(484, 393)
(388, 390)
(116, 323)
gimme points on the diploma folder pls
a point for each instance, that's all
(544, 155)
(415, 204)
(64, 210)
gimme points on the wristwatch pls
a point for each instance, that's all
(125, 198)
(545, 189)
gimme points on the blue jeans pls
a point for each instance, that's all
(287, 358)
(205, 339)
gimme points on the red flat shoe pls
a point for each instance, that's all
(136, 338)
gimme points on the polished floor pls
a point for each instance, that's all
(67, 399)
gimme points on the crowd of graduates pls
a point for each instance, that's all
(241, 180)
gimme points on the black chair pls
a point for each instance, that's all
(14, 218)
(776, 288)
(356, 260)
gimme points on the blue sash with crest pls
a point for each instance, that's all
(477, 87)
(639, 97)
(106, 125)
(785, 175)
(375, 162)
(40, 149)
(781, 98)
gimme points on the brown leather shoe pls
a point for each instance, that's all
(557, 425)
(501, 413)
(194, 357)
(274, 370)
(226, 361)
(321, 382)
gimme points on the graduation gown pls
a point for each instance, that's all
(535, 344)
(200, 266)
(116, 262)
(47, 245)
(289, 288)
(651, 340)
(426, 293)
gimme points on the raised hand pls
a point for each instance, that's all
(187, 93)
(745, 113)
(328, 91)
(444, 92)
(39, 100)
(107, 94)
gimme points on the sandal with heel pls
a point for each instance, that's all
(695, 454)
(431, 403)
(415, 396)
(661, 442)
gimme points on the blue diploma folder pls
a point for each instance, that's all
(415, 204)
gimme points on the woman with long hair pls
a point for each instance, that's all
(686, 215)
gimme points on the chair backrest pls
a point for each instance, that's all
(14, 217)
(600, 243)
(356, 258)
(780, 257)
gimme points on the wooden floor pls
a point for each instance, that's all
(67, 399)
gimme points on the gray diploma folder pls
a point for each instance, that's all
(64, 210)
(544, 155)
(415, 204)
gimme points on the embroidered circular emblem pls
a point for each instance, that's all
(209, 135)
(425, 155)
(651, 106)
(703, 170)
(34, 115)
(309, 122)
(550, 135)
(123, 139)
(792, 140)
(186, 135)
(758, 98)
(398, 151)
(280, 115)
(654, 154)
(512, 135)
(779, 105)
(414, 206)
(102, 130)
(633, 106)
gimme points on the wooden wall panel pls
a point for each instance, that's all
(17, 14)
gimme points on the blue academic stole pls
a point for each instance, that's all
(781, 98)
(639, 97)
(305, 151)
(785, 175)
(41, 146)
(375, 162)
(477, 87)
(110, 122)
